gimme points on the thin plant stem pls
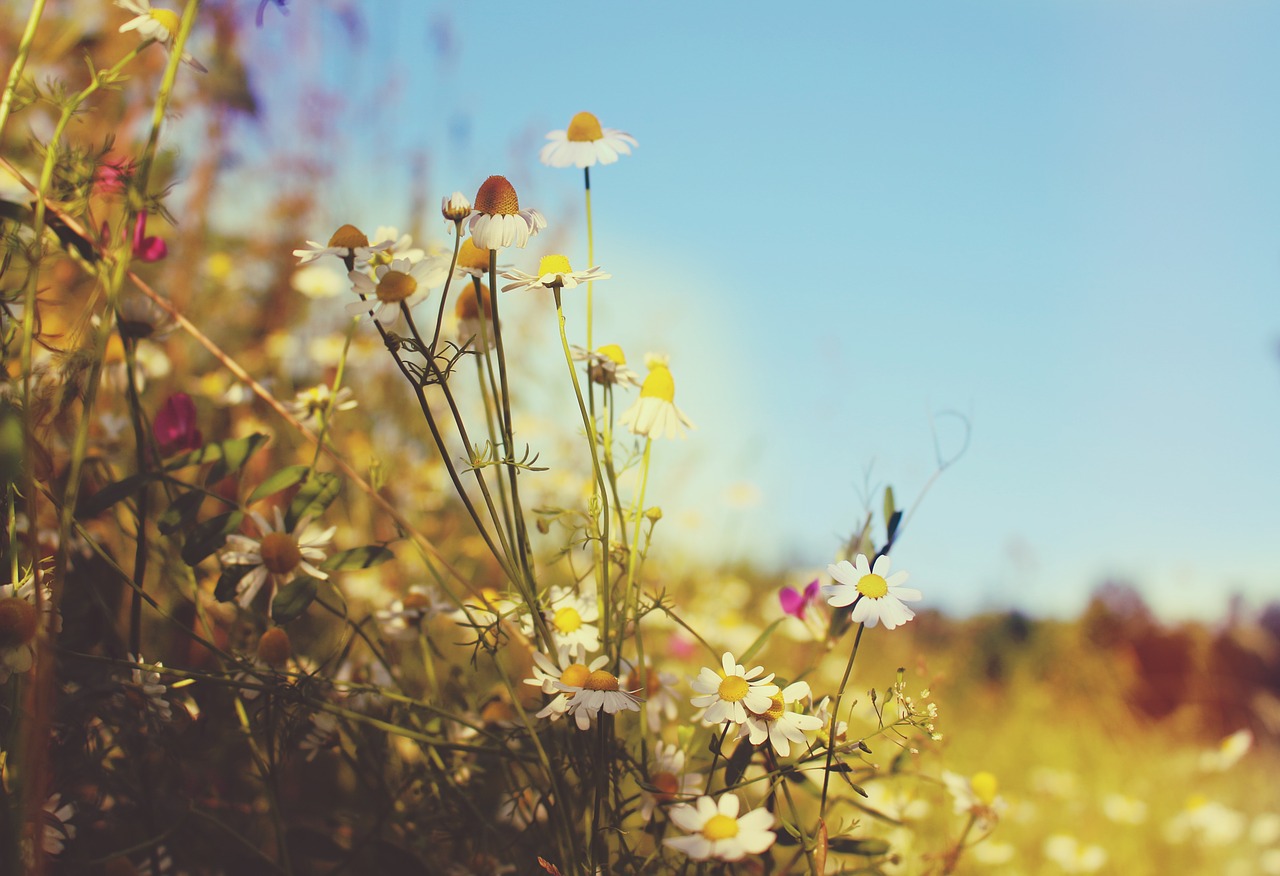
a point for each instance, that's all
(632, 593)
(20, 62)
(835, 716)
(591, 251)
(326, 415)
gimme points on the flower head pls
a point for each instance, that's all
(875, 594)
(716, 831)
(553, 273)
(779, 724)
(145, 686)
(654, 414)
(156, 24)
(976, 795)
(312, 405)
(599, 691)
(497, 219)
(277, 554)
(668, 781)
(175, 425)
(401, 282)
(572, 621)
(405, 617)
(468, 308)
(584, 143)
(561, 677)
(606, 365)
(455, 208)
(728, 693)
(20, 622)
(347, 243)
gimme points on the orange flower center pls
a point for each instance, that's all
(584, 128)
(467, 306)
(274, 648)
(17, 622)
(497, 196)
(473, 257)
(665, 786)
(395, 287)
(575, 675)
(348, 236)
(601, 679)
(415, 600)
(720, 827)
(733, 688)
(873, 586)
(280, 553)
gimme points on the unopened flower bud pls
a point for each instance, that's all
(455, 207)
(274, 648)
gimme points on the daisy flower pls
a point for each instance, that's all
(310, 405)
(823, 712)
(20, 622)
(606, 365)
(874, 596)
(1228, 752)
(397, 246)
(145, 685)
(779, 724)
(347, 243)
(975, 795)
(467, 309)
(553, 273)
(57, 832)
(599, 691)
(727, 693)
(277, 554)
(393, 284)
(572, 619)
(715, 830)
(584, 143)
(156, 24)
(661, 700)
(1074, 856)
(456, 209)
(497, 219)
(654, 414)
(405, 617)
(668, 780)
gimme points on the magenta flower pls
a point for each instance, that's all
(175, 426)
(147, 249)
(794, 603)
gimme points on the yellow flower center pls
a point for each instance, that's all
(467, 306)
(497, 196)
(601, 679)
(984, 787)
(872, 586)
(395, 287)
(733, 688)
(614, 352)
(665, 787)
(274, 648)
(659, 384)
(584, 128)
(566, 620)
(472, 256)
(280, 553)
(17, 622)
(166, 18)
(575, 675)
(775, 710)
(720, 827)
(553, 264)
(348, 236)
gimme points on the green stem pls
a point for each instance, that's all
(591, 251)
(327, 415)
(20, 62)
(632, 594)
(835, 716)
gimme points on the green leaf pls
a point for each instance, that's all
(210, 535)
(293, 599)
(313, 497)
(112, 493)
(760, 641)
(358, 558)
(893, 525)
(889, 508)
(738, 763)
(235, 454)
(850, 846)
(229, 582)
(281, 480)
(181, 513)
(213, 452)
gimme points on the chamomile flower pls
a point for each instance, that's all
(277, 554)
(779, 724)
(875, 597)
(20, 622)
(668, 781)
(456, 209)
(347, 243)
(716, 831)
(57, 831)
(145, 686)
(389, 287)
(599, 692)
(405, 617)
(572, 620)
(1073, 856)
(654, 414)
(823, 712)
(606, 365)
(975, 795)
(661, 700)
(156, 24)
(497, 219)
(553, 273)
(467, 309)
(728, 693)
(397, 246)
(584, 143)
(311, 405)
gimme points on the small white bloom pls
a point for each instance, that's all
(57, 832)
(561, 678)
(1074, 856)
(662, 701)
(668, 781)
(553, 272)
(276, 554)
(875, 598)
(497, 219)
(716, 831)
(572, 619)
(312, 404)
(584, 143)
(404, 619)
(156, 24)
(390, 245)
(455, 208)
(654, 414)
(1124, 810)
(1228, 753)
(146, 683)
(780, 725)
(1207, 822)
(316, 280)
(400, 282)
(975, 795)
(726, 694)
(599, 692)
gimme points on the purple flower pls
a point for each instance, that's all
(147, 249)
(794, 603)
(175, 425)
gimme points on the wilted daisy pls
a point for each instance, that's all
(347, 243)
(277, 554)
(467, 309)
(599, 692)
(780, 724)
(976, 795)
(156, 24)
(310, 405)
(497, 219)
(716, 831)
(875, 597)
(572, 621)
(19, 624)
(606, 365)
(654, 414)
(729, 692)
(584, 143)
(400, 282)
(553, 273)
(404, 619)
(668, 781)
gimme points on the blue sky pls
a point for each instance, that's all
(843, 220)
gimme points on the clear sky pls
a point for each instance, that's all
(843, 220)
